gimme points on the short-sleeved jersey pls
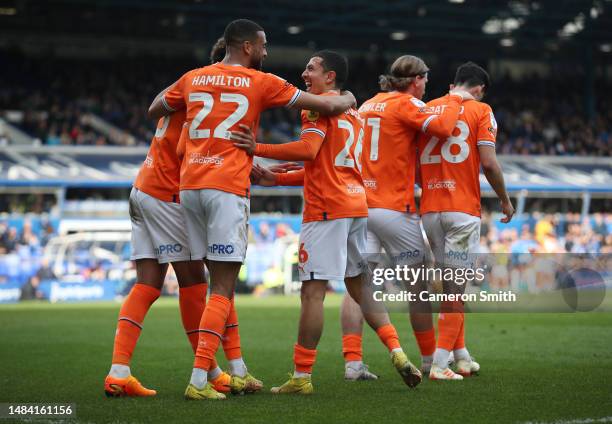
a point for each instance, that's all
(450, 169)
(159, 174)
(333, 187)
(392, 123)
(217, 98)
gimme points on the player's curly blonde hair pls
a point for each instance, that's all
(403, 71)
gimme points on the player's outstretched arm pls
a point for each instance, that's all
(326, 105)
(306, 148)
(278, 175)
(495, 177)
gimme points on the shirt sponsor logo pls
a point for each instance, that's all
(355, 189)
(371, 184)
(443, 184)
(148, 162)
(165, 249)
(200, 159)
(221, 249)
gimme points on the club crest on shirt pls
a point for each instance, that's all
(312, 115)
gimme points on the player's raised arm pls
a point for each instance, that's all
(168, 100)
(156, 108)
(326, 105)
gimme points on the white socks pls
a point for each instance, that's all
(199, 378)
(397, 349)
(237, 367)
(462, 354)
(119, 371)
(355, 365)
(215, 373)
(440, 358)
(426, 361)
(297, 374)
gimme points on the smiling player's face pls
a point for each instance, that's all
(315, 76)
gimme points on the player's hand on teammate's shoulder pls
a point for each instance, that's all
(350, 96)
(507, 210)
(461, 92)
(244, 139)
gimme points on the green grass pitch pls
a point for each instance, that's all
(535, 368)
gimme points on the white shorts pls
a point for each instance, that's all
(332, 250)
(158, 229)
(454, 237)
(399, 233)
(217, 224)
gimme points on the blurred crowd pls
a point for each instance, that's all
(549, 233)
(56, 101)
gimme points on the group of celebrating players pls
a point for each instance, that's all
(190, 206)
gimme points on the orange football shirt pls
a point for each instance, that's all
(392, 123)
(450, 168)
(217, 98)
(159, 174)
(333, 187)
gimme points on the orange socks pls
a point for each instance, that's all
(131, 316)
(426, 341)
(460, 343)
(212, 327)
(231, 338)
(388, 335)
(351, 347)
(192, 301)
(449, 325)
(304, 358)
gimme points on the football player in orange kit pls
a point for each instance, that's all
(159, 238)
(450, 205)
(214, 185)
(333, 234)
(393, 120)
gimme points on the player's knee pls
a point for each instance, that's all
(313, 292)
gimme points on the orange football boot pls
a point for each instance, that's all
(130, 386)
(222, 383)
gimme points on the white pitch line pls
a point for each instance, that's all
(576, 421)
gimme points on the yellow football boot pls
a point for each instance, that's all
(406, 369)
(206, 393)
(300, 386)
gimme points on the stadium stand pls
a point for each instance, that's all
(536, 121)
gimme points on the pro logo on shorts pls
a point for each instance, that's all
(312, 115)
(221, 249)
(453, 254)
(165, 249)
